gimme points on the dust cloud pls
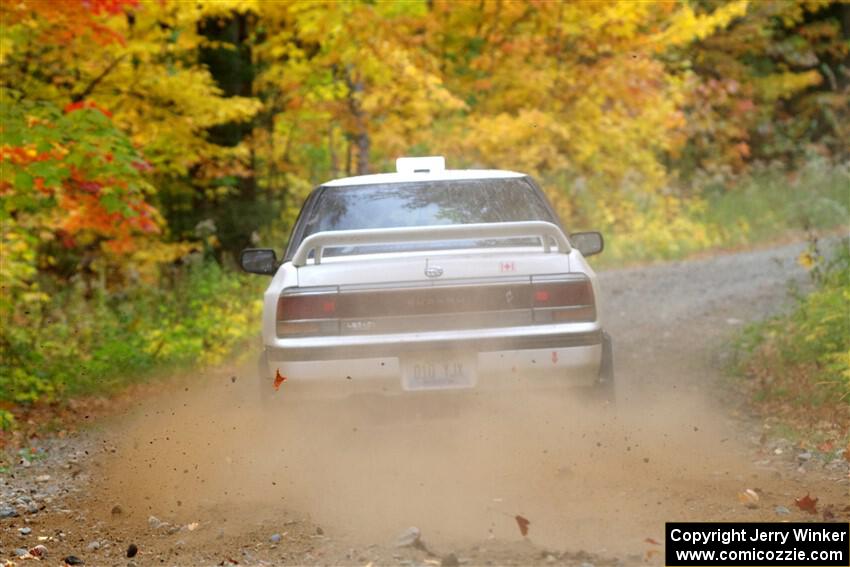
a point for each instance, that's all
(227, 451)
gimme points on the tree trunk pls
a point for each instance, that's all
(233, 71)
(362, 153)
(348, 156)
(334, 165)
(361, 132)
(845, 33)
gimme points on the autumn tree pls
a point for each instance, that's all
(575, 92)
(773, 85)
(351, 79)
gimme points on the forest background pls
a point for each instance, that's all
(145, 143)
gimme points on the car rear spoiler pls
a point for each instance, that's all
(335, 238)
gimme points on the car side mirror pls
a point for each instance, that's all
(588, 243)
(259, 261)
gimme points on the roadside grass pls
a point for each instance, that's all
(87, 342)
(768, 204)
(765, 206)
(795, 367)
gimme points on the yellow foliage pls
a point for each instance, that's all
(806, 260)
(785, 85)
(146, 261)
(685, 25)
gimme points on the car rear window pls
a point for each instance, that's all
(425, 203)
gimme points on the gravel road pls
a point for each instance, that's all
(193, 473)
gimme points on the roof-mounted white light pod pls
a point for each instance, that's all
(428, 164)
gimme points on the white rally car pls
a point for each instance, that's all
(432, 279)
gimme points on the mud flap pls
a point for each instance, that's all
(605, 384)
(264, 379)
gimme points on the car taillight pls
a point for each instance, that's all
(296, 307)
(310, 313)
(563, 299)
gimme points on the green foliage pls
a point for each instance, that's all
(92, 341)
(770, 201)
(70, 176)
(7, 423)
(804, 356)
(763, 205)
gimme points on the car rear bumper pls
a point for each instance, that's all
(502, 362)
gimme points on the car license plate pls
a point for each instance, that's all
(438, 371)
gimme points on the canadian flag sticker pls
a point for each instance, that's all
(507, 267)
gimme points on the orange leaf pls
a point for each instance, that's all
(72, 106)
(523, 524)
(278, 379)
(652, 541)
(807, 504)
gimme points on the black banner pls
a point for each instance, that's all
(758, 544)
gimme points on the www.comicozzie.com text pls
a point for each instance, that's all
(726, 536)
